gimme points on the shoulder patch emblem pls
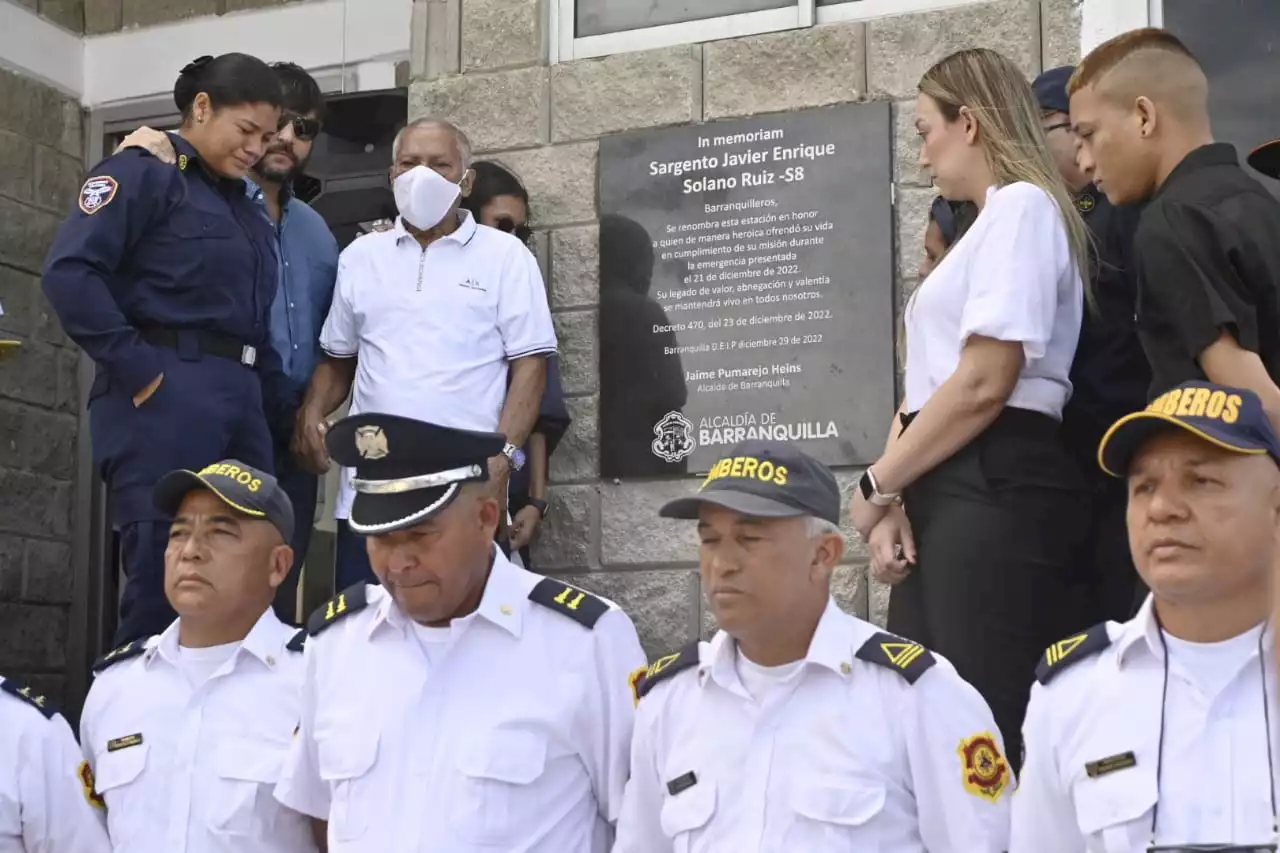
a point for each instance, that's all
(97, 193)
(85, 772)
(579, 605)
(985, 773)
(350, 600)
(26, 694)
(667, 666)
(1070, 651)
(113, 657)
(297, 642)
(633, 681)
(911, 660)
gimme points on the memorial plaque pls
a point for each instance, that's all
(746, 289)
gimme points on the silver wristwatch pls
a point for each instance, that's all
(871, 491)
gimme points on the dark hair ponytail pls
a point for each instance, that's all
(229, 80)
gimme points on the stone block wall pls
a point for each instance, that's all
(545, 123)
(41, 168)
(107, 16)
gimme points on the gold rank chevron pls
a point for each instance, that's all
(902, 655)
(1062, 648)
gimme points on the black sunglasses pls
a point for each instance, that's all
(305, 129)
(523, 233)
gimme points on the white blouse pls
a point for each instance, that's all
(1011, 277)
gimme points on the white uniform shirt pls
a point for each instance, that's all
(434, 329)
(45, 786)
(516, 740)
(853, 757)
(188, 769)
(1011, 277)
(1213, 787)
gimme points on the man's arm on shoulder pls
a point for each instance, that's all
(640, 823)
(1043, 815)
(119, 201)
(961, 775)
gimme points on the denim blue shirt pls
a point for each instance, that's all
(307, 269)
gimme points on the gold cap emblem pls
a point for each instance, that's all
(371, 442)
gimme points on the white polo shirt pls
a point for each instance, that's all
(434, 328)
(1011, 277)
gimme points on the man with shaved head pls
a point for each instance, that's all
(438, 318)
(1207, 249)
(1159, 734)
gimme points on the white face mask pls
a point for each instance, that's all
(424, 196)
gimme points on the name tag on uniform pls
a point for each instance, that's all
(125, 742)
(1110, 764)
(681, 783)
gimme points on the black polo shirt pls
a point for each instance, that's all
(1208, 260)
(1110, 375)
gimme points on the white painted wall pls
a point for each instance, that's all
(33, 47)
(1103, 19)
(360, 40)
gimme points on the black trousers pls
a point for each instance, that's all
(998, 528)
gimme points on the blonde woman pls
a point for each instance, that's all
(973, 510)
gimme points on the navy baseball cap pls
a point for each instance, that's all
(242, 487)
(1230, 418)
(1266, 158)
(765, 479)
(1051, 89)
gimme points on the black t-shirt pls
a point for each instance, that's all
(1208, 259)
(1110, 375)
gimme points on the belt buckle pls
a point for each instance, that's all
(249, 356)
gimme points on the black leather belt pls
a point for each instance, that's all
(210, 343)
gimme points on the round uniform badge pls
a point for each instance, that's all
(985, 772)
(1085, 203)
(97, 193)
(90, 789)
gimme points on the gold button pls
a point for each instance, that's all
(845, 668)
(506, 610)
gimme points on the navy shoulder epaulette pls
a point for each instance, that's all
(1071, 651)
(579, 605)
(297, 642)
(909, 659)
(32, 698)
(667, 666)
(123, 653)
(351, 600)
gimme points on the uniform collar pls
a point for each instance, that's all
(265, 641)
(1141, 634)
(830, 647)
(462, 234)
(1213, 154)
(505, 599)
(189, 158)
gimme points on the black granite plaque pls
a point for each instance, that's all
(746, 289)
(1241, 63)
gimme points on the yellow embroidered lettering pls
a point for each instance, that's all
(749, 466)
(1201, 400)
(1171, 401)
(735, 470)
(1213, 408)
(1231, 412)
(780, 476)
(765, 472)
(255, 485)
(1184, 405)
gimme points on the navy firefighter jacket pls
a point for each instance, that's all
(151, 244)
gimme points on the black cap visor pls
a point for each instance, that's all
(372, 514)
(1266, 158)
(176, 485)
(1127, 435)
(741, 502)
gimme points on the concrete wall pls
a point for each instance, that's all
(41, 154)
(544, 122)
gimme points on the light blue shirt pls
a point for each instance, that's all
(308, 267)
